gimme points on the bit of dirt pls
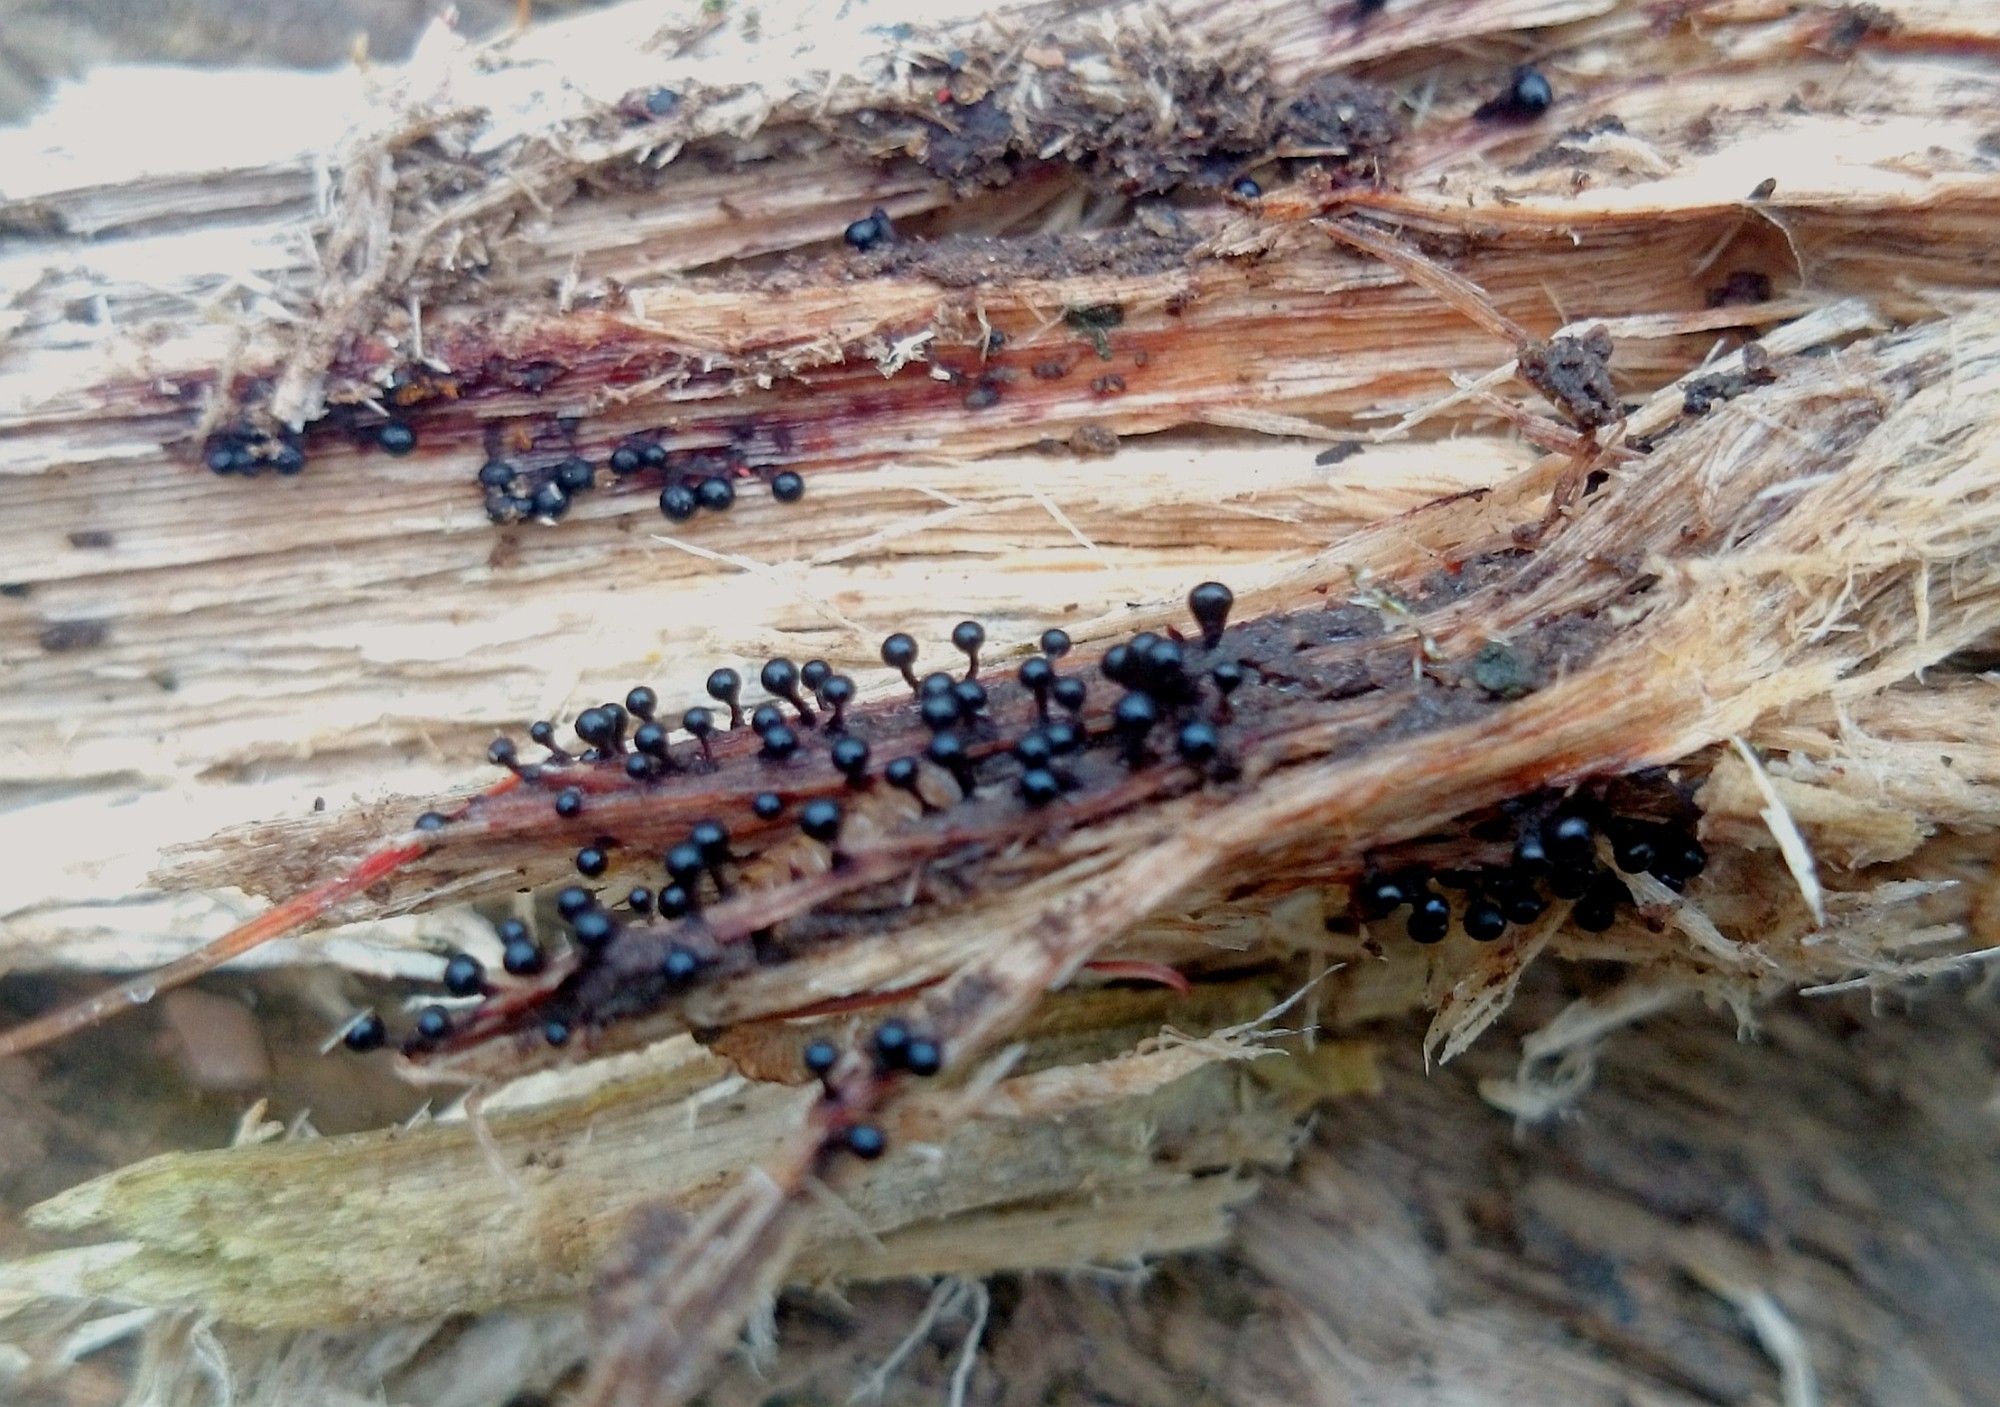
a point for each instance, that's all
(1704, 392)
(1338, 117)
(1226, 116)
(1574, 373)
(974, 261)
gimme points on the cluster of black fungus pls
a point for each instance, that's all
(1527, 96)
(1559, 857)
(690, 481)
(894, 1048)
(514, 494)
(249, 452)
(1174, 698)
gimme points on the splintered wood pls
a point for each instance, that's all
(1645, 449)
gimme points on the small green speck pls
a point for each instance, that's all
(1095, 321)
(1502, 672)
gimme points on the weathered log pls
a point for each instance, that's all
(1766, 565)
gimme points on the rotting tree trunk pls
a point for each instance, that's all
(1783, 588)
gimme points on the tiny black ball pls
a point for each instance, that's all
(1523, 906)
(1570, 839)
(779, 743)
(698, 721)
(923, 1057)
(433, 1023)
(899, 651)
(1633, 851)
(891, 1042)
(549, 500)
(712, 839)
(948, 751)
(1379, 896)
(432, 821)
(1680, 859)
(967, 636)
(870, 231)
(521, 957)
(820, 1056)
(496, 474)
(779, 676)
(555, 1031)
(593, 929)
(1484, 920)
(813, 674)
(820, 819)
(1247, 187)
(365, 1033)
(1531, 857)
(969, 695)
(788, 487)
(626, 459)
(901, 773)
(850, 759)
(680, 965)
(767, 805)
(724, 685)
(935, 683)
(592, 862)
(1594, 913)
(573, 901)
(1529, 95)
(396, 438)
(1033, 749)
(575, 475)
(1071, 693)
(866, 1141)
(1197, 742)
(642, 702)
(939, 711)
(1135, 714)
(678, 503)
(464, 976)
(1040, 786)
(1210, 604)
(1430, 918)
(1570, 881)
(715, 494)
(1165, 667)
(765, 717)
(569, 802)
(1055, 643)
(594, 726)
(684, 862)
(673, 902)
